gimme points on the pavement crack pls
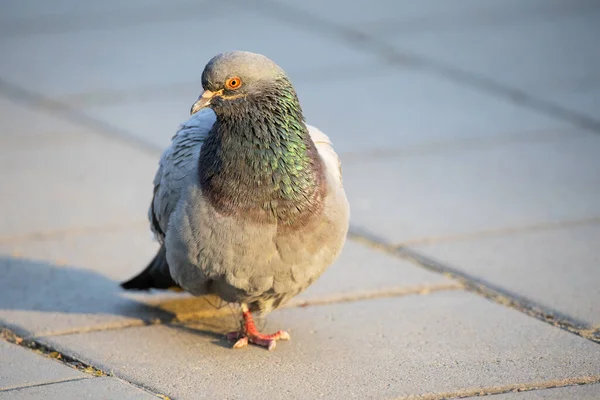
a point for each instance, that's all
(54, 382)
(482, 288)
(514, 388)
(95, 328)
(502, 231)
(49, 352)
(68, 360)
(375, 294)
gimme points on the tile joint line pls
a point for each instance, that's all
(482, 288)
(391, 292)
(395, 57)
(52, 353)
(511, 388)
(33, 385)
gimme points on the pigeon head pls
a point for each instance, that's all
(258, 158)
(238, 80)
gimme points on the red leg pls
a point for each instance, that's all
(252, 335)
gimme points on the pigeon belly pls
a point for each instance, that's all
(263, 265)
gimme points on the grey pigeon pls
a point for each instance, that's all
(248, 199)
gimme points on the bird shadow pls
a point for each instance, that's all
(39, 296)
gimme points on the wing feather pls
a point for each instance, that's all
(324, 146)
(177, 166)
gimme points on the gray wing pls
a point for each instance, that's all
(178, 165)
(333, 165)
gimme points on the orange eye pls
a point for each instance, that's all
(233, 83)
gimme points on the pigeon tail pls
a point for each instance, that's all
(155, 276)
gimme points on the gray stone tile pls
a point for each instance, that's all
(545, 57)
(24, 10)
(584, 392)
(97, 388)
(463, 190)
(22, 367)
(154, 121)
(380, 348)
(126, 57)
(414, 13)
(23, 126)
(117, 254)
(360, 269)
(407, 108)
(38, 297)
(73, 182)
(581, 99)
(557, 268)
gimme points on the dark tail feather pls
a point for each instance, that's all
(155, 276)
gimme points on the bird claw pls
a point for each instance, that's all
(243, 342)
(283, 335)
(250, 334)
(259, 339)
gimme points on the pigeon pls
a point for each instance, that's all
(248, 199)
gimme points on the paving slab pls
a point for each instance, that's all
(426, 14)
(363, 270)
(154, 120)
(583, 98)
(412, 108)
(25, 10)
(546, 57)
(38, 297)
(23, 367)
(557, 268)
(465, 190)
(117, 253)
(125, 57)
(21, 126)
(96, 388)
(582, 392)
(440, 342)
(72, 183)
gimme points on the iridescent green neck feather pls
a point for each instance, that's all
(259, 161)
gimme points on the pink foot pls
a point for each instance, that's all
(252, 335)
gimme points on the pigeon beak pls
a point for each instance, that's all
(203, 101)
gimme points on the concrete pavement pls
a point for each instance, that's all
(469, 135)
